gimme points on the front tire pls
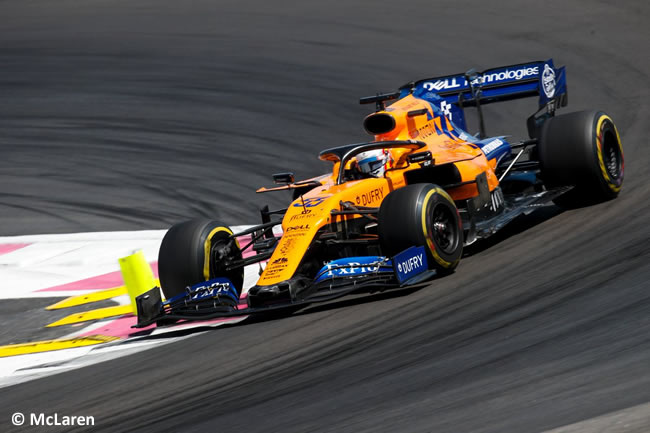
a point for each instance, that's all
(196, 251)
(582, 149)
(422, 215)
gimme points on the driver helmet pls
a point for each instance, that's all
(373, 162)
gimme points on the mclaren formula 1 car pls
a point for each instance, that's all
(397, 210)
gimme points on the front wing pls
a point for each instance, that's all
(217, 298)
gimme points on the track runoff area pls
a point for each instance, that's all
(90, 280)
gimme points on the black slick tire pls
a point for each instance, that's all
(422, 215)
(195, 251)
(582, 149)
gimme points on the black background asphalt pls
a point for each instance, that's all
(136, 114)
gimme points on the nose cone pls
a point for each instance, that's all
(281, 293)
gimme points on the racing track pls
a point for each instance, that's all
(135, 114)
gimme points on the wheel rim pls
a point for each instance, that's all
(223, 250)
(444, 231)
(612, 155)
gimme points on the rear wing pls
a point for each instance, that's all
(451, 93)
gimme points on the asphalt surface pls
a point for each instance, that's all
(25, 320)
(136, 114)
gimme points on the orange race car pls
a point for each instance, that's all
(399, 209)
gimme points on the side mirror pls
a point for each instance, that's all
(283, 178)
(420, 157)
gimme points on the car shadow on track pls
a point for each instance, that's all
(519, 225)
(348, 301)
(146, 335)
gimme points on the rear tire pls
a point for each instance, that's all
(582, 149)
(182, 257)
(422, 215)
